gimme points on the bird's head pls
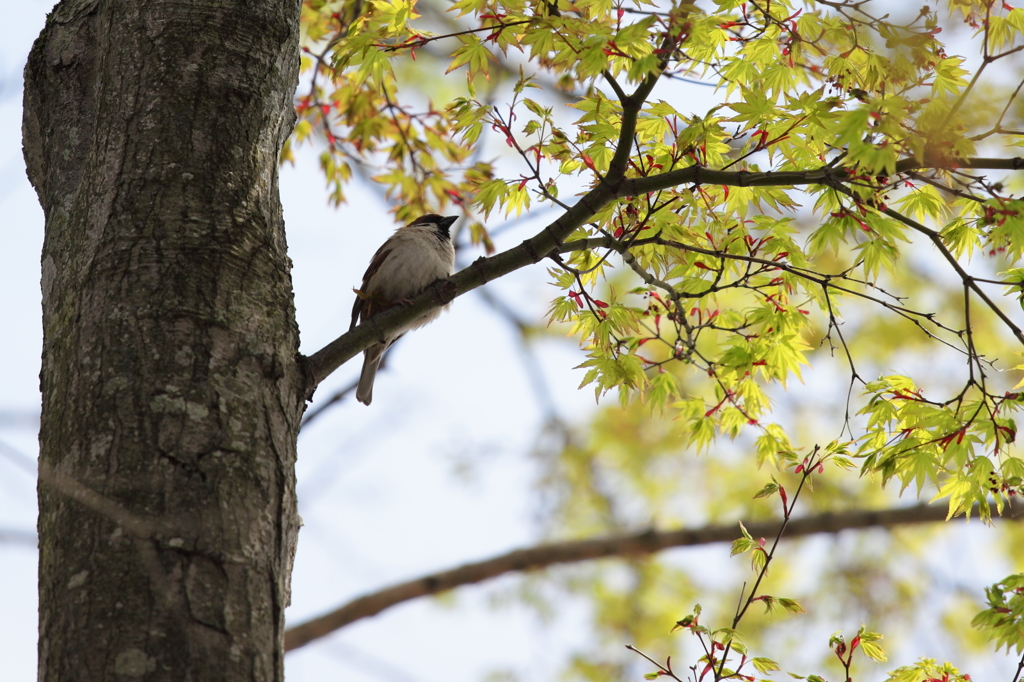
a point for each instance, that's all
(439, 223)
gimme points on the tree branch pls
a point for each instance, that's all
(325, 361)
(637, 544)
(825, 175)
(320, 365)
(632, 104)
(966, 278)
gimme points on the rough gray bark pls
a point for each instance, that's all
(171, 386)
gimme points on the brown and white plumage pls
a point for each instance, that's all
(413, 258)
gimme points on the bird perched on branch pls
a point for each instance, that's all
(413, 258)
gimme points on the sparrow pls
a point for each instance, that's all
(413, 258)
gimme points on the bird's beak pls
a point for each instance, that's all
(447, 221)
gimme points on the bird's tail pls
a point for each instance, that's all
(371, 360)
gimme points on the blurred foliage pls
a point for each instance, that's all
(1004, 617)
(857, 214)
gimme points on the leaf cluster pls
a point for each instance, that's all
(701, 254)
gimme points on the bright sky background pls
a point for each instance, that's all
(378, 487)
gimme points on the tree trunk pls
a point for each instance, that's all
(171, 388)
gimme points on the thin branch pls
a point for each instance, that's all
(419, 41)
(966, 278)
(825, 175)
(619, 92)
(325, 361)
(632, 104)
(636, 544)
(945, 188)
(334, 399)
(810, 463)
(825, 281)
(342, 392)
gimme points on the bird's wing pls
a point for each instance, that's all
(363, 306)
